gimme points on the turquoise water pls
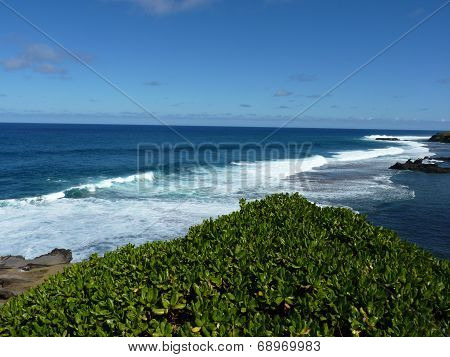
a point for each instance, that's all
(91, 188)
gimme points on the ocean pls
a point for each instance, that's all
(92, 188)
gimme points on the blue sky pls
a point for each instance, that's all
(227, 62)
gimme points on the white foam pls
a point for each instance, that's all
(311, 163)
(399, 137)
(92, 187)
(410, 145)
(357, 155)
(53, 196)
(146, 176)
(283, 168)
(96, 225)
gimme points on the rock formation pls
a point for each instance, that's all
(418, 165)
(442, 137)
(18, 274)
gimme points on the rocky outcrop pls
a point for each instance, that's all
(418, 165)
(18, 274)
(388, 139)
(442, 137)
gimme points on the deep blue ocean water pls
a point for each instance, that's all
(91, 188)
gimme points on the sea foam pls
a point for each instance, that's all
(282, 168)
(357, 155)
(89, 188)
(399, 137)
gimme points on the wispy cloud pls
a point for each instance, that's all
(283, 107)
(444, 80)
(303, 77)
(164, 7)
(282, 93)
(245, 105)
(39, 57)
(153, 83)
(416, 12)
(15, 63)
(48, 68)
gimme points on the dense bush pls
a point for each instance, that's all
(280, 266)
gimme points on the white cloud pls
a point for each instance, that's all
(41, 52)
(15, 63)
(48, 68)
(39, 57)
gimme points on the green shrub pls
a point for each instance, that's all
(281, 266)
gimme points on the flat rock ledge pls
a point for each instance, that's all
(418, 165)
(18, 274)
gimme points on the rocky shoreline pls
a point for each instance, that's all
(442, 137)
(18, 274)
(419, 165)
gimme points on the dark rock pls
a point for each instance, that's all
(388, 139)
(418, 165)
(442, 137)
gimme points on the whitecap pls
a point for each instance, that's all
(399, 137)
(357, 155)
(91, 187)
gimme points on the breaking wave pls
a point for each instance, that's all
(83, 191)
(357, 155)
(399, 137)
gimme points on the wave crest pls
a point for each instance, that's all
(399, 137)
(83, 191)
(357, 155)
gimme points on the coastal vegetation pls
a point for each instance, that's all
(280, 266)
